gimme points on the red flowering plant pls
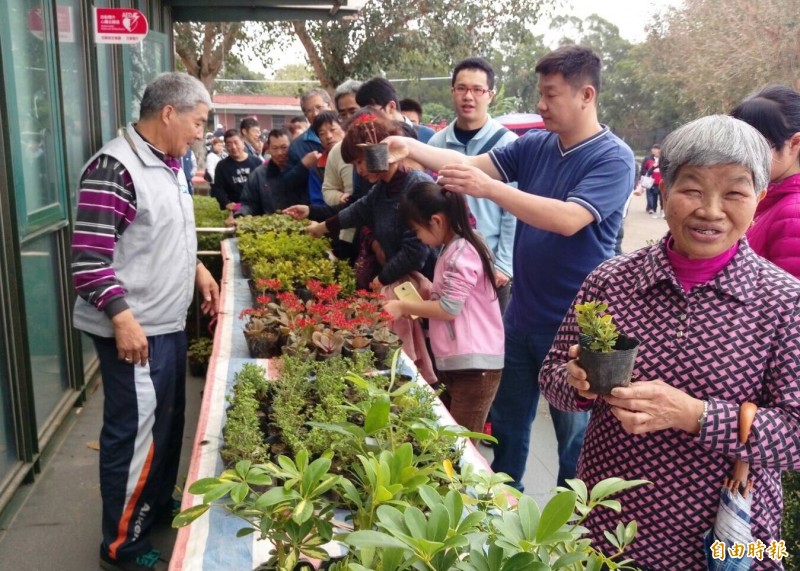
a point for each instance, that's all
(301, 331)
(324, 293)
(368, 306)
(366, 124)
(266, 286)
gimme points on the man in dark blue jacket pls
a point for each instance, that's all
(262, 193)
(304, 151)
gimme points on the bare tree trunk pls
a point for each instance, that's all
(320, 70)
(205, 61)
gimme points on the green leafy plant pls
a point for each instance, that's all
(394, 473)
(200, 350)
(277, 223)
(243, 434)
(449, 532)
(597, 325)
(293, 514)
(208, 215)
(791, 519)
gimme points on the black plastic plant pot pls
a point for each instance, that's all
(606, 370)
(377, 157)
(198, 369)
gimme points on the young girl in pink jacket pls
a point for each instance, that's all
(466, 328)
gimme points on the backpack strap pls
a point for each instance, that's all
(492, 141)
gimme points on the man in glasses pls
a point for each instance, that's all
(472, 133)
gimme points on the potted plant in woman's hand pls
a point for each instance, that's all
(606, 355)
(376, 154)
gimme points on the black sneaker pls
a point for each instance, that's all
(149, 561)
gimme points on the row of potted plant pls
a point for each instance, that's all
(208, 215)
(376, 450)
(321, 326)
(277, 223)
(274, 247)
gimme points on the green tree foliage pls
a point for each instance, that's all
(383, 33)
(514, 59)
(715, 52)
(292, 72)
(238, 78)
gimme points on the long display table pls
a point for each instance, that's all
(210, 543)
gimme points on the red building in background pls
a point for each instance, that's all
(272, 111)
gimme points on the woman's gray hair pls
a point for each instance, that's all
(712, 141)
(178, 89)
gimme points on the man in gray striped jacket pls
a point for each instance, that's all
(134, 265)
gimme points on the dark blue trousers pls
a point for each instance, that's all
(140, 443)
(514, 410)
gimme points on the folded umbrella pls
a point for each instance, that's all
(732, 526)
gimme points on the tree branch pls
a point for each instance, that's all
(317, 64)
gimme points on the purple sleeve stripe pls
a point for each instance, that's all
(93, 236)
(89, 197)
(89, 276)
(106, 207)
(92, 248)
(111, 294)
(92, 282)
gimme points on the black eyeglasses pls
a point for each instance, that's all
(476, 91)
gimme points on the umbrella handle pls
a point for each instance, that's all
(747, 413)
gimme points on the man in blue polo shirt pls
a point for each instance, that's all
(574, 179)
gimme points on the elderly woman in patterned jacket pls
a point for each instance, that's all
(719, 326)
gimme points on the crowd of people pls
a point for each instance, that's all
(463, 214)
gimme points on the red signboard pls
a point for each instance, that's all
(119, 26)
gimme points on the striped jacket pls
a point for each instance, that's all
(134, 244)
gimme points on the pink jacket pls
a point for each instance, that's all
(775, 234)
(475, 338)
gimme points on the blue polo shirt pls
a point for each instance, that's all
(598, 174)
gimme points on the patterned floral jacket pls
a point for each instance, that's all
(731, 340)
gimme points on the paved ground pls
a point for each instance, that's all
(54, 524)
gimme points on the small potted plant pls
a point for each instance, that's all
(384, 343)
(356, 342)
(198, 354)
(606, 355)
(376, 154)
(263, 332)
(296, 345)
(327, 343)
